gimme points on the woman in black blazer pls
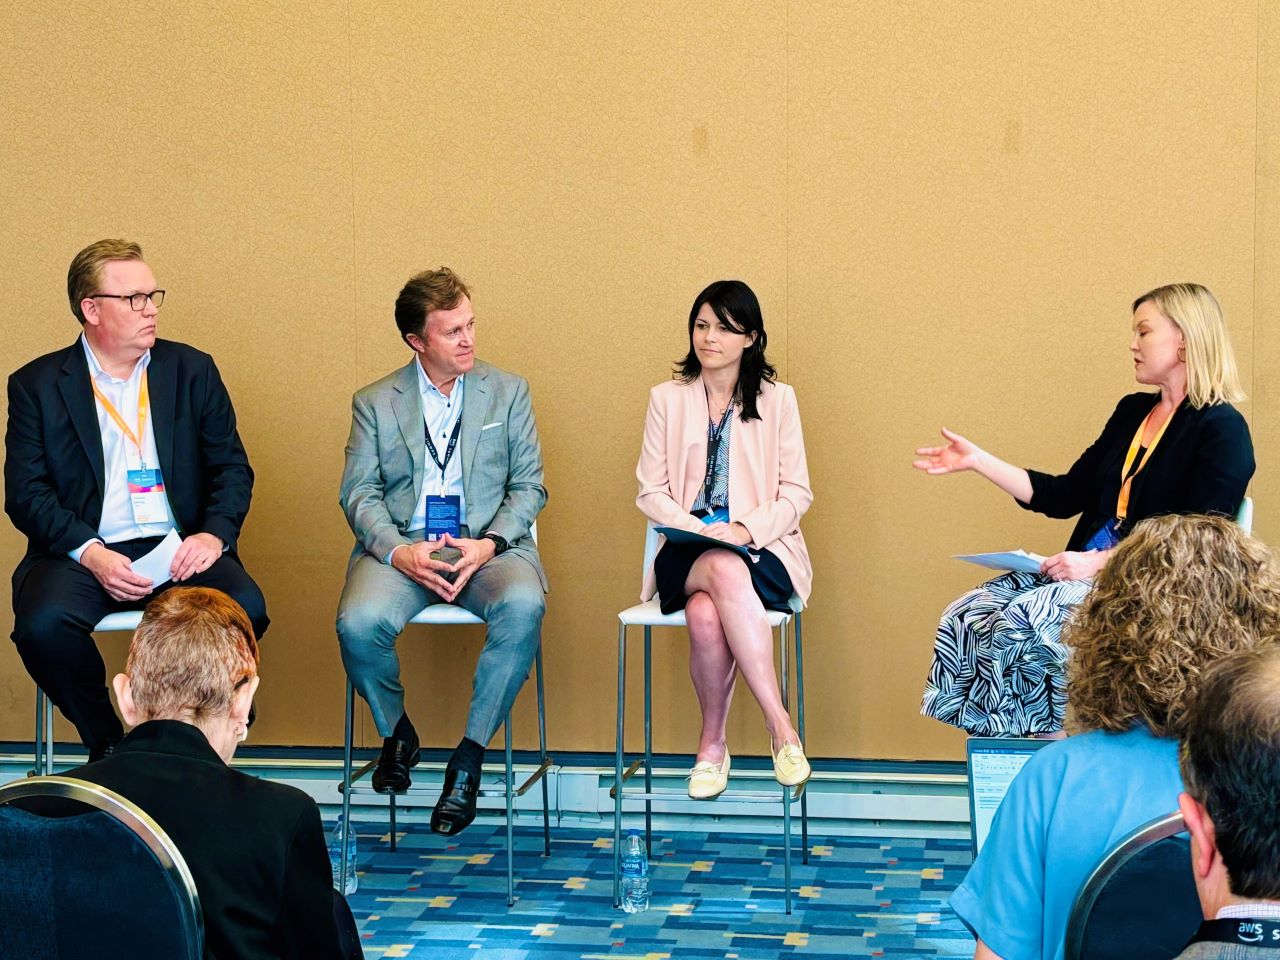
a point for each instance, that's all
(999, 664)
(256, 849)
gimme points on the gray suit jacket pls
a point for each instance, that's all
(501, 460)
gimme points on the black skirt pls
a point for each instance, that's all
(671, 568)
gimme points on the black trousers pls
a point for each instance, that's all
(56, 604)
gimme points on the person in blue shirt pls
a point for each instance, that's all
(1179, 594)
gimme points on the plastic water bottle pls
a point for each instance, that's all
(635, 874)
(335, 854)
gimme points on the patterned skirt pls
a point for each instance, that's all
(999, 664)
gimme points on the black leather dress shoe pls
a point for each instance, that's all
(391, 775)
(456, 807)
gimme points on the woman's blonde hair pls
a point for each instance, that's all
(1212, 376)
(191, 651)
(1176, 596)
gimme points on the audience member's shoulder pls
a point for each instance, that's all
(279, 797)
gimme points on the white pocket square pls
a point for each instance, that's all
(490, 426)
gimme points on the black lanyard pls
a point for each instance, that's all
(714, 434)
(1253, 933)
(448, 451)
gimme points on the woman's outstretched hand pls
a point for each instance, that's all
(958, 454)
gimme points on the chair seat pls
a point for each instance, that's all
(649, 614)
(443, 614)
(125, 620)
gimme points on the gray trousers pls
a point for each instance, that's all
(377, 601)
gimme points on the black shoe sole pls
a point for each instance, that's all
(385, 791)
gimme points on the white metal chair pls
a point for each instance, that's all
(125, 621)
(649, 615)
(447, 614)
(1244, 516)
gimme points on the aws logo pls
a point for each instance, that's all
(1253, 932)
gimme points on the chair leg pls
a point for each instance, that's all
(391, 810)
(617, 767)
(511, 814)
(804, 797)
(37, 766)
(648, 740)
(542, 757)
(346, 785)
(48, 734)
(783, 674)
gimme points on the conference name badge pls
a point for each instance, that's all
(444, 515)
(718, 515)
(147, 497)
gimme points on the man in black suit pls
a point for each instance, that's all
(111, 444)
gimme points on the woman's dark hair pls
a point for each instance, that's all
(738, 309)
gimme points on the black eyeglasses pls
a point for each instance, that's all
(136, 300)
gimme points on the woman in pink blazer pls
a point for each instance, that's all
(723, 457)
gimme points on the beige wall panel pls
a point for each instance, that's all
(977, 193)
(1266, 359)
(588, 169)
(217, 136)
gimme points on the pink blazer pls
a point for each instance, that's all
(768, 474)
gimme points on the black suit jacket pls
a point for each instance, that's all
(1202, 464)
(53, 469)
(256, 849)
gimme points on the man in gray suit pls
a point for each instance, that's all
(443, 480)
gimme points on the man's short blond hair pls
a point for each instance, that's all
(191, 651)
(85, 274)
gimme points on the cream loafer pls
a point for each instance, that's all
(790, 766)
(708, 780)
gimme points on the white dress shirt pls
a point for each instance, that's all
(119, 455)
(439, 414)
(1250, 911)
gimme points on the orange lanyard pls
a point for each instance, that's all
(114, 414)
(1122, 501)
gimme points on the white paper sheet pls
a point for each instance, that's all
(155, 565)
(1018, 560)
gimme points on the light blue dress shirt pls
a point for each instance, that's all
(1066, 808)
(439, 414)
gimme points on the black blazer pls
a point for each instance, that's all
(1201, 465)
(256, 849)
(53, 468)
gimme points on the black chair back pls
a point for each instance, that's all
(1140, 901)
(86, 874)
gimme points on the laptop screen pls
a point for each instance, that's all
(993, 762)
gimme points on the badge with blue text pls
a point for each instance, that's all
(146, 495)
(444, 515)
(718, 515)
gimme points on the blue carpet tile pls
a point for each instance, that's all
(716, 895)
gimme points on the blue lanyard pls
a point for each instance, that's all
(714, 435)
(448, 451)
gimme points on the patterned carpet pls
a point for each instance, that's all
(712, 895)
